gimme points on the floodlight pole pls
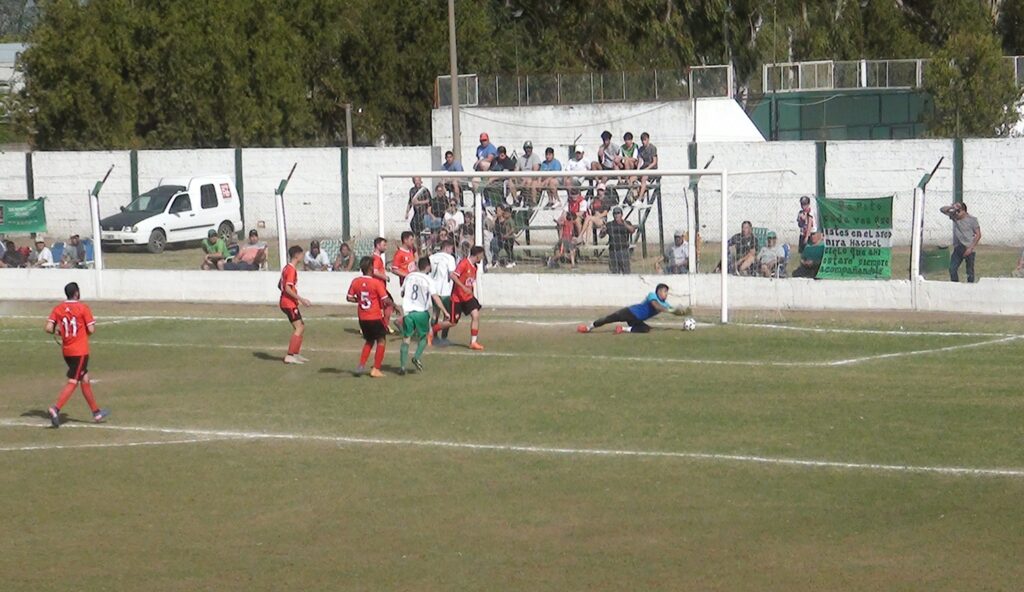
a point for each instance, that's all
(94, 211)
(282, 238)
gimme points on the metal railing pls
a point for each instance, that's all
(874, 74)
(596, 87)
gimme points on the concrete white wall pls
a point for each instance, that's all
(876, 169)
(994, 189)
(990, 296)
(312, 200)
(65, 179)
(363, 165)
(12, 176)
(768, 200)
(157, 164)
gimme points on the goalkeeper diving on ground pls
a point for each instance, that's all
(635, 316)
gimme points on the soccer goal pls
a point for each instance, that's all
(562, 219)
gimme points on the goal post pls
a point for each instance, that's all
(672, 185)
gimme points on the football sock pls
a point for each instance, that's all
(444, 334)
(404, 354)
(366, 354)
(422, 345)
(65, 394)
(294, 345)
(388, 311)
(436, 328)
(473, 334)
(89, 398)
(378, 358)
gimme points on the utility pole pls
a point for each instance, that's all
(453, 57)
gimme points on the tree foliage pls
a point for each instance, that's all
(166, 73)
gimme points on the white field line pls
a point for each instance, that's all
(558, 451)
(36, 447)
(113, 320)
(598, 357)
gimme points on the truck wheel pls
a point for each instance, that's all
(225, 230)
(157, 241)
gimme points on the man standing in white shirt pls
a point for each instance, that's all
(442, 264)
(417, 296)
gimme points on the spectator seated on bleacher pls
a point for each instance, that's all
(74, 253)
(596, 214)
(576, 164)
(810, 259)
(41, 256)
(215, 251)
(250, 256)
(551, 185)
(677, 255)
(346, 260)
(530, 161)
(485, 154)
(315, 259)
(453, 166)
(609, 156)
(648, 162)
(771, 259)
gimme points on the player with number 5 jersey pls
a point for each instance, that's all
(371, 298)
(73, 322)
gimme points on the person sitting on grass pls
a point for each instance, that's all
(636, 315)
(250, 256)
(215, 252)
(810, 259)
(770, 257)
(345, 260)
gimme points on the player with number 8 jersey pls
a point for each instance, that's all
(73, 321)
(371, 298)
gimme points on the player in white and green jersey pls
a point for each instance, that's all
(442, 264)
(417, 297)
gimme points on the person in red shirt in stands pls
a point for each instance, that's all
(289, 303)
(73, 322)
(464, 298)
(371, 299)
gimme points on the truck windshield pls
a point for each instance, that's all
(154, 200)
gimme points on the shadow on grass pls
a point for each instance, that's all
(266, 357)
(386, 368)
(44, 414)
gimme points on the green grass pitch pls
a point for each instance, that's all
(864, 455)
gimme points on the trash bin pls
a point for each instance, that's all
(934, 260)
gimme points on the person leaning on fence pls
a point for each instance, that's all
(618, 232)
(433, 216)
(810, 259)
(804, 222)
(416, 208)
(966, 236)
(74, 253)
(504, 238)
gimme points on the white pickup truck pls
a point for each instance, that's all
(176, 210)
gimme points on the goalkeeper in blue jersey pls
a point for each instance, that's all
(634, 316)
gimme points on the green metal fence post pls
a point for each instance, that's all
(958, 170)
(133, 162)
(240, 184)
(346, 229)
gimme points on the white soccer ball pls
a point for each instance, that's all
(689, 324)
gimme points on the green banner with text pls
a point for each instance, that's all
(858, 238)
(22, 216)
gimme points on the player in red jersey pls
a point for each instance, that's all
(380, 246)
(73, 321)
(404, 261)
(371, 299)
(289, 303)
(463, 297)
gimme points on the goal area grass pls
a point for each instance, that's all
(810, 451)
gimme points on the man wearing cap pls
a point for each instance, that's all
(41, 257)
(771, 257)
(215, 252)
(250, 256)
(609, 157)
(530, 161)
(576, 163)
(74, 253)
(315, 259)
(618, 232)
(485, 153)
(804, 222)
(677, 255)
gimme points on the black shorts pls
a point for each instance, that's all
(460, 308)
(293, 314)
(78, 366)
(373, 331)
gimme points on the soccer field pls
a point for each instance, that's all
(828, 451)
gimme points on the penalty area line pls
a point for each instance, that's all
(556, 451)
(38, 447)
